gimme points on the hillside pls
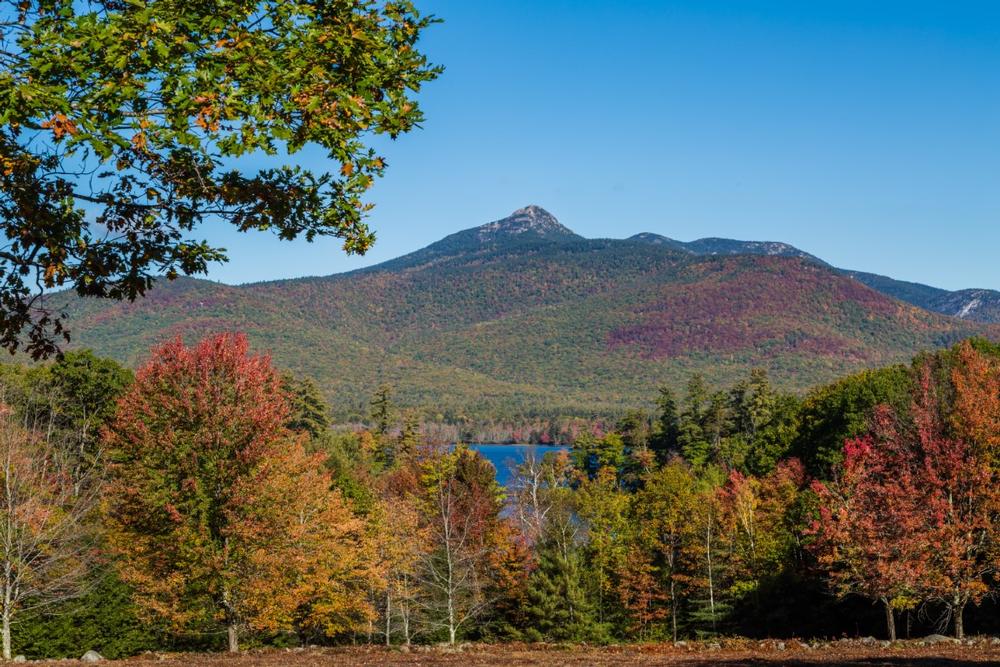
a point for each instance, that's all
(522, 316)
(977, 305)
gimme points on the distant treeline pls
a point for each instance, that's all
(208, 502)
(516, 430)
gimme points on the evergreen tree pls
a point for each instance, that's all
(691, 438)
(716, 427)
(308, 412)
(559, 604)
(105, 620)
(634, 429)
(666, 429)
(409, 437)
(382, 411)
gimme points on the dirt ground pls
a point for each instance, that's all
(742, 652)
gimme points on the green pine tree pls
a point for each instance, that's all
(667, 428)
(409, 437)
(691, 437)
(308, 412)
(559, 604)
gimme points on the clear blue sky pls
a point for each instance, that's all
(865, 132)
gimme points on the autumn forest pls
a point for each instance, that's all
(206, 502)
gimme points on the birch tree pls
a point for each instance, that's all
(461, 503)
(46, 549)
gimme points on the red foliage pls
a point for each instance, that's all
(871, 531)
(763, 308)
(911, 517)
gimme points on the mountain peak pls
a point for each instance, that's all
(531, 218)
(533, 211)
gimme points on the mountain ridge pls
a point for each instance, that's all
(523, 316)
(975, 304)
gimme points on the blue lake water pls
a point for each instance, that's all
(506, 457)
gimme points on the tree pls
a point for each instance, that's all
(666, 429)
(915, 517)
(409, 435)
(641, 595)
(297, 556)
(511, 562)
(665, 519)
(217, 514)
(103, 619)
(591, 454)
(132, 114)
(960, 501)
(559, 604)
(760, 529)
(634, 429)
(68, 402)
(604, 507)
(691, 438)
(460, 502)
(536, 491)
(46, 549)
(869, 534)
(403, 538)
(308, 412)
(976, 378)
(832, 414)
(764, 423)
(716, 446)
(382, 415)
(707, 611)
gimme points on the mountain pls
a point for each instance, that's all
(523, 317)
(977, 305)
(716, 246)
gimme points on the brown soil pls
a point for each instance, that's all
(729, 653)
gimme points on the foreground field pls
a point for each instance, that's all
(974, 652)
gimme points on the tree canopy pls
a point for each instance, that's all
(121, 122)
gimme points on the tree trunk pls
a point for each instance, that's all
(406, 626)
(673, 607)
(711, 585)
(6, 637)
(958, 609)
(890, 620)
(234, 639)
(388, 617)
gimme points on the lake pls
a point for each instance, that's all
(505, 457)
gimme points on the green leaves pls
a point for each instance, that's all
(164, 93)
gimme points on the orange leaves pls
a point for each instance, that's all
(209, 113)
(60, 125)
(976, 417)
(641, 593)
(237, 516)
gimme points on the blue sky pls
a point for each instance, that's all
(867, 133)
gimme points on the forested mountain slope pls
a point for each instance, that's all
(522, 316)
